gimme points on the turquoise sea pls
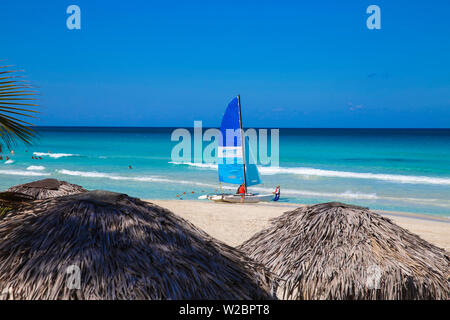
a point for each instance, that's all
(390, 169)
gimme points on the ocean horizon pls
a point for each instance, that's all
(392, 169)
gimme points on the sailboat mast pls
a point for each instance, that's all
(242, 142)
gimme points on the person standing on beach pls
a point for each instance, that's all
(241, 190)
(277, 193)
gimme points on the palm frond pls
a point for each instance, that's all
(16, 104)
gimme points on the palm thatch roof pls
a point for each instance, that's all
(124, 248)
(47, 188)
(339, 251)
(12, 200)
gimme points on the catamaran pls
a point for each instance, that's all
(236, 162)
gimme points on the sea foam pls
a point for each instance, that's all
(305, 171)
(36, 168)
(23, 173)
(288, 192)
(55, 155)
(95, 174)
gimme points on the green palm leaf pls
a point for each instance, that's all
(16, 108)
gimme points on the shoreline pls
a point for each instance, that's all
(235, 223)
(293, 205)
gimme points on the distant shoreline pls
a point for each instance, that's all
(266, 127)
(420, 216)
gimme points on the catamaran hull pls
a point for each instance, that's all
(235, 198)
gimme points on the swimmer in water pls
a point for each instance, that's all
(129, 167)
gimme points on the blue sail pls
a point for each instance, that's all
(230, 150)
(251, 170)
(231, 164)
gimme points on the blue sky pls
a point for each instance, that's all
(295, 63)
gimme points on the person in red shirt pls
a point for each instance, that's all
(241, 190)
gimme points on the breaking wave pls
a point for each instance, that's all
(304, 171)
(289, 192)
(198, 165)
(95, 174)
(23, 173)
(55, 155)
(36, 168)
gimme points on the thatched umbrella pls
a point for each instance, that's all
(339, 251)
(47, 188)
(124, 248)
(12, 201)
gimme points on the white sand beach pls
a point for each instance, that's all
(235, 223)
